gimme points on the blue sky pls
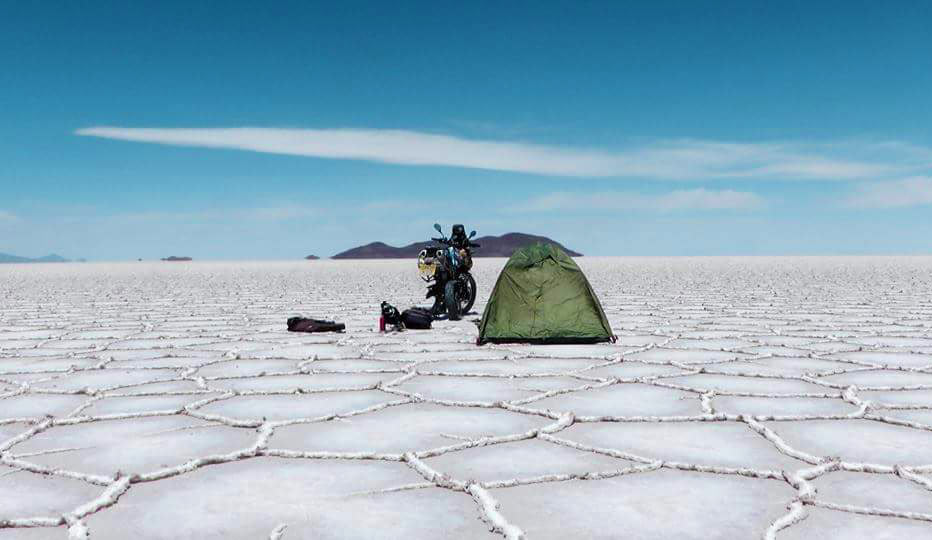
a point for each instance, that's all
(238, 131)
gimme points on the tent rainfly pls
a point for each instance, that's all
(542, 296)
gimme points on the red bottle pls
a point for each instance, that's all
(381, 324)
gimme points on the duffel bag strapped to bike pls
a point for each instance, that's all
(417, 318)
(303, 324)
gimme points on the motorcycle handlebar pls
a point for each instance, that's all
(447, 242)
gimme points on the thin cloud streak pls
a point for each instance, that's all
(692, 199)
(8, 217)
(683, 159)
(914, 191)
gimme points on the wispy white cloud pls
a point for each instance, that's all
(8, 217)
(914, 191)
(691, 199)
(682, 159)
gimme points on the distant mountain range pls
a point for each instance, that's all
(7, 258)
(492, 246)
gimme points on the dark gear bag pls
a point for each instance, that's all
(417, 318)
(302, 324)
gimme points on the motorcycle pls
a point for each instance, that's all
(446, 267)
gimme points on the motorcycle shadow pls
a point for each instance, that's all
(445, 317)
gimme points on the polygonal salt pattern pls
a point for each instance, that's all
(132, 445)
(727, 384)
(859, 440)
(300, 382)
(316, 499)
(23, 405)
(399, 429)
(632, 399)
(38, 495)
(511, 367)
(490, 389)
(744, 398)
(783, 406)
(897, 398)
(645, 506)
(259, 407)
(632, 369)
(825, 523)
(521, 459)
(141, 404)
(867, 490)
(722, 444)
(780, 365)
(871, 379)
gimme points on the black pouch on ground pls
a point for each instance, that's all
(417, 318)
(302, 324)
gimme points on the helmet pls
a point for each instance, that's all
(458, 236)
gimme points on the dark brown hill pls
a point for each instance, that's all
(492, 246)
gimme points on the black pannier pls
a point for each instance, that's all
(417, 318)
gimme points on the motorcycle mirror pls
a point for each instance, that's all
(437, 228)
(472, 233)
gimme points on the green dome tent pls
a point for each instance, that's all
(541, 296)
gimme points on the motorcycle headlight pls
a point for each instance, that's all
(426, 266)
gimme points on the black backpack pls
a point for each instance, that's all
(417, 318)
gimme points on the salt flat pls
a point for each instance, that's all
(745, 398)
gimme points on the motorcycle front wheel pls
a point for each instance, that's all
(451, 300)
